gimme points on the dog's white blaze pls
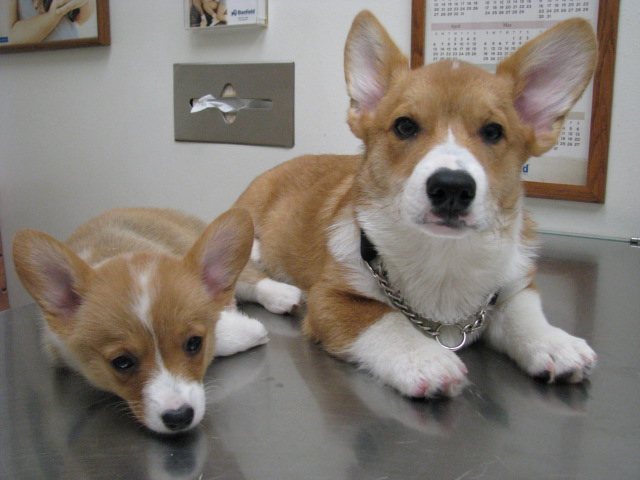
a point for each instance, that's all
(166, 391)
(414, 203)
(143, 302)
(142, 306)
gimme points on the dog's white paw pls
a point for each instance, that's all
(235, 332)
(403, 358)
(277, 297)
(557, 356)
(425, 373)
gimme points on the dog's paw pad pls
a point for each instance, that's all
(278, 297)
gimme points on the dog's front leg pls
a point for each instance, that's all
(383, 341)
(236, 332)
(520, 329)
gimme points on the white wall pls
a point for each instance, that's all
(85, 130)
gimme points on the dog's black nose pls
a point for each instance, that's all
(178, 419)
(451, 192)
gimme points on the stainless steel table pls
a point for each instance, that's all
(289, 411)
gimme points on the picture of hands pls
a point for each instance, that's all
(36, 21)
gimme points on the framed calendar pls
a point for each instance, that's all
(483, 32)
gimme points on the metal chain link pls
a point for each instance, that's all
(429, 326)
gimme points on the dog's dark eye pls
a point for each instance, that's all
(124, 363)
(193, 345)
(492, 133)
(405, 128)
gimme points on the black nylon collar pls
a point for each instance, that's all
(367, 249)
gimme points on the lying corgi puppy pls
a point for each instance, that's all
(420, 245)
(139, 301)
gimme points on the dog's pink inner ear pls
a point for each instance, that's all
(371, 60)
(540, 101)
(223, 251)
(546, 97)
(365, 86)
(216, 274)
(550, 73)
(60, 290)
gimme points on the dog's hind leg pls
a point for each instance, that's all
(255, 285)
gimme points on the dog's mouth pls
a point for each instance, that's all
(453, 223)
(453, 226)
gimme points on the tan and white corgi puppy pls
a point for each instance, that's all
(420, 245)
(139, 301)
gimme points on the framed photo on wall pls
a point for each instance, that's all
(483, 32)
(27, 25)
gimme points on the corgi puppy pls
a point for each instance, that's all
(418, 246)
(139, 301)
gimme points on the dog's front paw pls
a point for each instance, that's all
(403, 358)
(558, 357)
(278, 297)
(425, 373)
(235, 332)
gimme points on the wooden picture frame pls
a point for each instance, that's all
(596, 176)
(97, 35)
(4, 296)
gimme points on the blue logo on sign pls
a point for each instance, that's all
(243, 12)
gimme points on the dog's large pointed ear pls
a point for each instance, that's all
(550, 73)
(371, 62)
(221, 253)
(53, 275)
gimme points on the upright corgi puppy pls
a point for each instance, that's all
(139, 301)
(420, 245)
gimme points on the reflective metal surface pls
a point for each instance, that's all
(289, 411)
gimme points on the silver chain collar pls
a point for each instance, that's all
(429, 326)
